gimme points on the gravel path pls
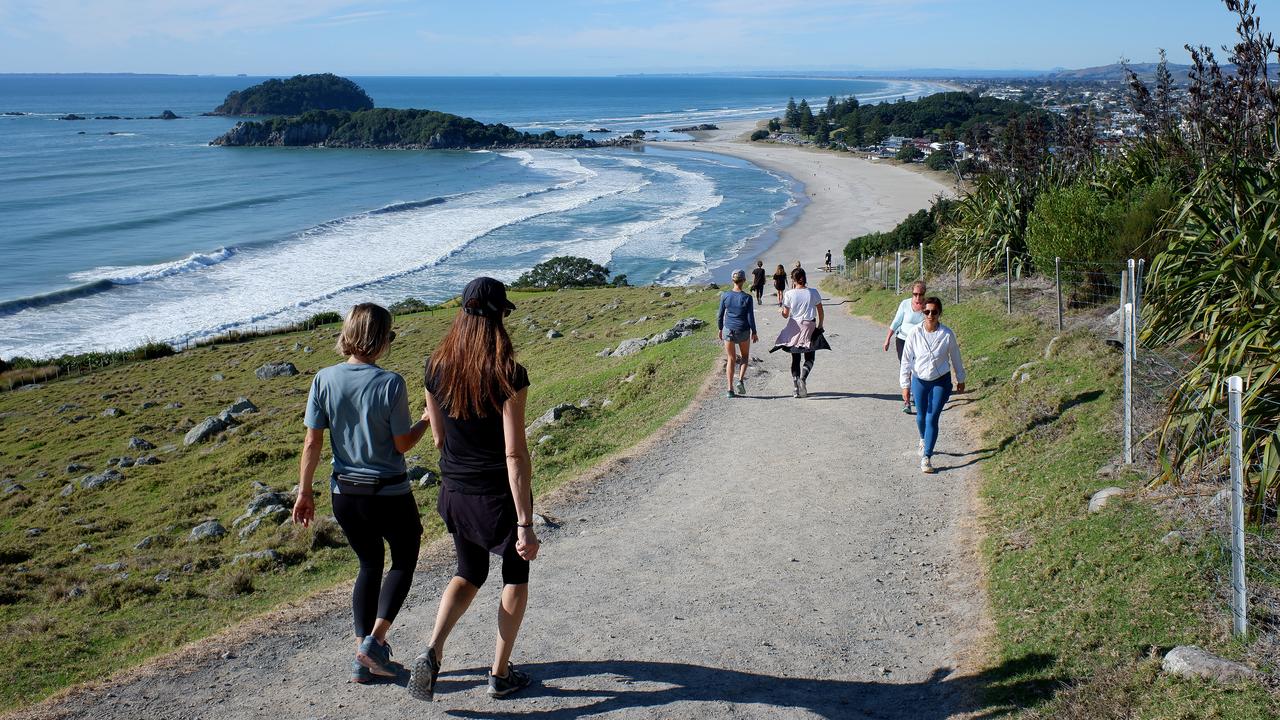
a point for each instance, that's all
(768, 557)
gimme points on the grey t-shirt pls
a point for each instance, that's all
(363, 407)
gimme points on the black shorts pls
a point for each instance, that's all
(480, 525)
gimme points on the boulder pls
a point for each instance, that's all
(1021, 373)
(206, 530)
(74, 468)
(1100, 499)
(268, 555)
(89, 482)
(553, 334)
(9, 487)
(629, 347)
(605, 352)
(265, 500)
(689, 324)
(147, 460)
(242, 406)
(664, 294)
(1191, 661)
(81, 548)
(1052, 347)
(113, 412)
(275, 370)
(551, 417)
(144, 543)
(137, 443)
(209, 427)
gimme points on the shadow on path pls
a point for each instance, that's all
(611, 686)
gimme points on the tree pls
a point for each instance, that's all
(909, 153)
(775, 125)
(806, 118)
(791, 118)
(939, 160)
(565, 271)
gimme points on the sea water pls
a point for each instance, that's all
(119, 232)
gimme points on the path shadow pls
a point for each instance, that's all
(977, 456)
(825, 395)
(607, 686)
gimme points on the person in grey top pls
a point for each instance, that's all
(736, 319)
(366, 410)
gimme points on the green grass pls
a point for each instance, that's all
(86, 623)
(1082, 604)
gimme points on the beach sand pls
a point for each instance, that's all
(848, 194)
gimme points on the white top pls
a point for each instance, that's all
(802, 303)
(906, 319)
(930, 355)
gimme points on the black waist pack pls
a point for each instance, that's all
(365, 484)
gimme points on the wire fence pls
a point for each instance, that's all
(1107, 298)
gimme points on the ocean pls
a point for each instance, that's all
(121, 232)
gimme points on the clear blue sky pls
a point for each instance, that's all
(597, 37)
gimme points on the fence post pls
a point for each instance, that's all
(957, 278)
(1239, 596)
(1124, 293)
(1128, 384)
(921, 262)
(1057, 283)
(1133, 293)
(1008, 282)
(1138, 280)
(897, 274)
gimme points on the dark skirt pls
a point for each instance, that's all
(485, 520)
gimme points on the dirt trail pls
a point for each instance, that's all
(772, 557)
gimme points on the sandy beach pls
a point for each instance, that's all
(848, 194)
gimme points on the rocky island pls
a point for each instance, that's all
(315, 121)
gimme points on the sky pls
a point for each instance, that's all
(598, 37)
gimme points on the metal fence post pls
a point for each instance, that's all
(1239, 596)
(921, 262)
(1138, 280)
(957, 278)
(897, 274)
(1124, 292)
(1057, 283)
(1008, 282)
(1133, 292)
(1128, 384)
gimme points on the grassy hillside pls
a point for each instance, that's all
(98, 579)
(1083, 605)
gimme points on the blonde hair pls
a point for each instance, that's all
(366, 332)
(919, 284)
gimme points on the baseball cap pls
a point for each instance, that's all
(739, 274)
(486, 296)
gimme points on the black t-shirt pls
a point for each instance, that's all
(757, 277)
(474, 457)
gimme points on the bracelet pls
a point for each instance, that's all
(529, 525)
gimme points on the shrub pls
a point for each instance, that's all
(564, 271)
(1074, 223)
(908, 153)
(759, 135)
(408, 305)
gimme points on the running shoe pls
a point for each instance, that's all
(729, 394)
(376, 656)
(906, 408)
(360, 673)
(513, 681)
(741, 388)
(802, 388)
(796, 383)
(926, 466)
(422, 679)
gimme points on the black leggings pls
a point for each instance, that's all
(808, 365)
(367, 520)
(473, 563)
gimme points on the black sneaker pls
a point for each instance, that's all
(376, 657)
(512, 682)
(422, 678)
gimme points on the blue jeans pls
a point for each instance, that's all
(930, 396)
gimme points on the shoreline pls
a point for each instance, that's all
(847, 195)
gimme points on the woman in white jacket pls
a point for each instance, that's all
(929, 357)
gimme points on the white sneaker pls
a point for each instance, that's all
(920, 451)
(802, 388)
(926, 466)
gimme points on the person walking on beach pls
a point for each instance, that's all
(757, 282)
(736, 320)
(826, 264)
(929, 357)
(802, 336)
(476, 394)
(780, 282)
(908, 317)
(366, 410)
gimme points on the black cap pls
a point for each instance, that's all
(486, 296)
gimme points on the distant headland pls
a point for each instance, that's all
(330, 111)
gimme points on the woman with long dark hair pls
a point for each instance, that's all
(366, 410)
(476, 394)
